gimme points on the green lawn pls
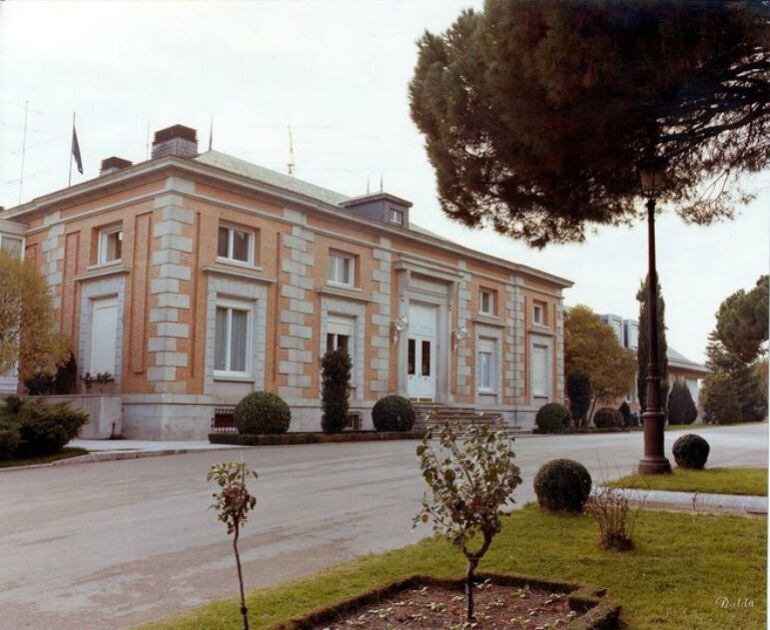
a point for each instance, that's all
(65, 453)
(716, 480)
(682, 564)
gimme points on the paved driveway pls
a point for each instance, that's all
(112, 544)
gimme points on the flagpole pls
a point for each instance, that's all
(69, 177)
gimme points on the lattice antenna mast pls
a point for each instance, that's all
(23, 148)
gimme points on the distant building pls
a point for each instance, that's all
(680, 368)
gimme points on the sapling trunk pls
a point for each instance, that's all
(470, 573)
(244, 611)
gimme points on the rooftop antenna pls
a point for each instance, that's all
(147, 146)
(211, 132)
(381, 188)
(23, 148)
(290, 166)
(367, 184)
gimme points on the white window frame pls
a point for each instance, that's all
(104, 234)
(396, 216)
(231, 230)
(488, 348)
(334, 267)
(14, 237)
(491, 310)
(235, 305)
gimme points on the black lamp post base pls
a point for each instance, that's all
(654, 466)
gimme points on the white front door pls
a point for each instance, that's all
(104, 328)
(421, 351)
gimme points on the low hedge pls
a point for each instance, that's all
(31, 429)
(287, 439)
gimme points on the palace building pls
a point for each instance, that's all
(194, 278)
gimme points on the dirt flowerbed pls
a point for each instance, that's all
(439, 607)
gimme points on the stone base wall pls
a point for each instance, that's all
(104, 412)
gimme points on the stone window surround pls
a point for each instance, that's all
(495, 334)
(357, 312)
(242, 291)
(113, 286)
(547, 342)
(237, 305)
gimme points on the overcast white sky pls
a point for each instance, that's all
(337, 72)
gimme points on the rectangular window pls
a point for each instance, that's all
(486, 366)
(426, 358)
(540, 371)
(231, 339)
(235, 244)
(110, 245)
(104, 331)
(411, 359)
(487, 302)
(341, 269)
(339, 333)
(13, 245)
(396, 216)
(538, 313)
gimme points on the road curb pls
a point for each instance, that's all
(696, 501)
(112, 456)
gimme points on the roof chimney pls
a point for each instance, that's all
(178, 140)
(113, 164)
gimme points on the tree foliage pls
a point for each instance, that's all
(591, 347)
(579, 394)
(642, 350)
(471, 479)
(719, 398)
(536, 114)
(742, 321)
(681, 408)
(28, 335)
(335, 390)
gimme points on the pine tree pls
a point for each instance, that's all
(681, 408)
(743, 378)
(642, 350)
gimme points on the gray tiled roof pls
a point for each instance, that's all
(677, 359)
(268, 176)
(281, 180)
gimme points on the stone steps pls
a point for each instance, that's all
(431, 415)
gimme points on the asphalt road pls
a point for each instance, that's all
(113, 544)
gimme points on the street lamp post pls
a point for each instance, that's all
(654, 461)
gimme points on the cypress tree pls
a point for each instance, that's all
(681, 408)
(642, 350)
(335, 390)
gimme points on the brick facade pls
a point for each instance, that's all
(170, 280)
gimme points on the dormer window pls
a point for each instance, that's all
(235, 244)
(110, 245)
(341, 269)
(396, 216)
(487, 302)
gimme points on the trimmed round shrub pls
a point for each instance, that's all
(262, 413)
(393, 413)
(562, 485)
(608, 418)
(553, 418)
(691, 451)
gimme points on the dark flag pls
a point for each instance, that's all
(76, 150)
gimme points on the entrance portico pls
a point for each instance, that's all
(426, 296)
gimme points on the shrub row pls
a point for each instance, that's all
(33, 428)
(556, 418)
(266, 413)
(287, 439)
